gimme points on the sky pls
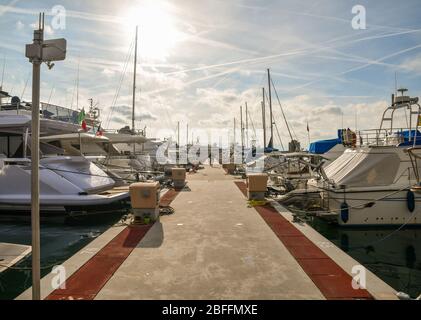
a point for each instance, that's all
(199, 61)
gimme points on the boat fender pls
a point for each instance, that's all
(410, 201)
(344, 212)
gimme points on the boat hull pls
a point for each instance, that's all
(374, 208)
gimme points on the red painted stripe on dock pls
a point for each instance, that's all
(86, 283)
(168, 198)
(327, 275)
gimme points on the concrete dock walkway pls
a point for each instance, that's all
(213, 247)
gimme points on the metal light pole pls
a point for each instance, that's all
(38, 52)
(36, 247)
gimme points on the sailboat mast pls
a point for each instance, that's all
(134, 90)
(264, 117)
(271, 112)
(134, 81)
(247, 125)
(178, 134)
(242, 133)
(235, 129)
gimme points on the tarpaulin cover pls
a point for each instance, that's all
(323, 146)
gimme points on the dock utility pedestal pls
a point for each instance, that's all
(145, 201)
(179, 178)
(257, 186)
(229, 167)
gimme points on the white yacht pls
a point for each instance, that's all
(67, 183)
(128, 143)
(371, 183)
(100, 150)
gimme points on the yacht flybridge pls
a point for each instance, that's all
(370, 184)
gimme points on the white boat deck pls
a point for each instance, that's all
(11, 254)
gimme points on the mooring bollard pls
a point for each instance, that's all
(145, 201)
(179, 178)
(257, 186)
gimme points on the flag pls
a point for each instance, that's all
(308, 128)
(81, 116)
(84, 126)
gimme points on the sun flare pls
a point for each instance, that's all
(157, 31)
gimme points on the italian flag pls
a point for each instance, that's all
(81, 120)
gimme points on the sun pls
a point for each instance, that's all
(157, 31)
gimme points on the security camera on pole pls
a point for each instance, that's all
(38, 52)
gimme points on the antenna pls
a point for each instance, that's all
(41, 21)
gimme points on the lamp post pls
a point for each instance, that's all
(38, 52)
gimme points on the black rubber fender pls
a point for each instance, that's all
(410, 201)
(345, 212)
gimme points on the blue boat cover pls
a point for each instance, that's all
(409, 136)
(323, 146)
(270, 150)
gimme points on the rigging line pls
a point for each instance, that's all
(51, 94)
(282, 109)
(73, 95)
(388, 235)
(122, 76)
(360, 206)
(274, 123)
(252, 124)
(24, 88)
(255, 101)
(117, 93)
(279, 136)
(115, 178)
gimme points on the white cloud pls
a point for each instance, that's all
(412, 64)
(20, 25)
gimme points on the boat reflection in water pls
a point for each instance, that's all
(392, 254)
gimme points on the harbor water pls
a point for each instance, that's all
(59, 241)
(394, 255)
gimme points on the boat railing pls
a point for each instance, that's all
(47, 111)
(128, 131)
(386, 137)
